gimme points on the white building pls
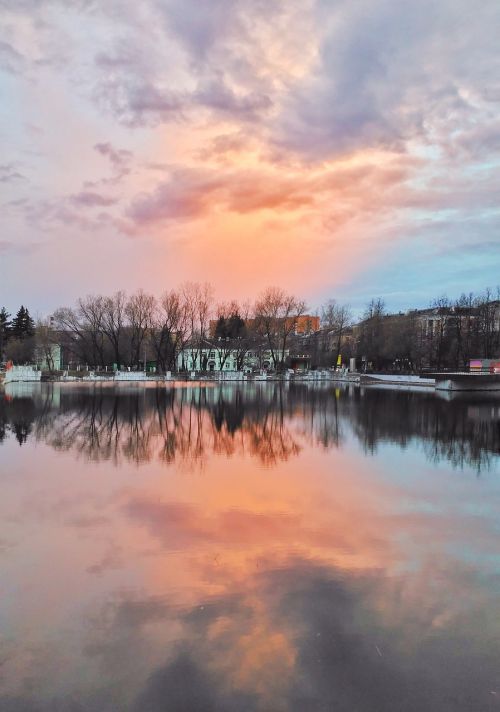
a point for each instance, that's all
(49, 358)
(219, 359)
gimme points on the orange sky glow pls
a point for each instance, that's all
(302, 144)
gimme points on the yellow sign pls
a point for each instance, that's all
(339, 360)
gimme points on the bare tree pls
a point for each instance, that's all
(113, 323)
(336, 319)
(90, 314)
(45, 340)
(487, 311)
(246, 336)
(442, 305)
(462, 329)
(170, 329)
(276, 314)
(73, 334)
(372, 332)
(198, 299)
(139, 311)
(230, 328)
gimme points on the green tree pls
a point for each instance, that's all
(23, 326)
(20, 351)
(5, 329)
(230, 327)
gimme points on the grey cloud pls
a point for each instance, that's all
(14, 248)
(128, 612)
(132, 82)
(384, 76)
(120, 160)
(11, 60)
(346, 654)
(87, 521)
(9, 173)
(150, 99)
(118, 629)
(480, 141)
(111, 561)
(118, 157)
(201, 25)
(90, 199)
(216, 95)
(124, 55)
(221, 27)
(354, 641)
(142, 89)
(225, 143)
(189, 686)
(184, 196)
(149, 102)
(6, 246)
(67, 210)
(139, 103)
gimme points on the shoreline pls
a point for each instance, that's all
(470, 383)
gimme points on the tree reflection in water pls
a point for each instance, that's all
(271, 422)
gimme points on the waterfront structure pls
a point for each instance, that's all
(16, 374)
(220, 356)
(484, 365)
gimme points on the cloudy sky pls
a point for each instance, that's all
(337, 148)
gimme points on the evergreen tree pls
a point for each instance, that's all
(231, 327)
(23, 326)
(5, 328)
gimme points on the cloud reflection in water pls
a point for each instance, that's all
(248, 549)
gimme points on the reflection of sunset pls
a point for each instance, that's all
(220, 542)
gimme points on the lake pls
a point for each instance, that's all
(241, 547)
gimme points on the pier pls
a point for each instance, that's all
(466, 381)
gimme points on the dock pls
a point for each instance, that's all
(463, 381)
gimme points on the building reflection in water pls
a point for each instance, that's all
(270, 422)
(248, 548)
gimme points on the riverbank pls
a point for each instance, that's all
(437, 381)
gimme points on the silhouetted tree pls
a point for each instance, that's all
(335, 320)
(5, 329)
(276, 314)
(23, 326)
(372, 332)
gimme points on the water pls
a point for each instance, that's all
(248, 547)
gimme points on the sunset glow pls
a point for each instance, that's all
(334, 148)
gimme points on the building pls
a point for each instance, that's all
(49, 357)
(305, 324)
(222, 356)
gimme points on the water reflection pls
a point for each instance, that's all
(270, 422)
(356, 570)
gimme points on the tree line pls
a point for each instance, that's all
(128, 331)
(272, 424)
(17, 335)
(446, 336)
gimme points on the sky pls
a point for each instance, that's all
(343, 149)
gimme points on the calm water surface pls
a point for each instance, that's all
(238, 548)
